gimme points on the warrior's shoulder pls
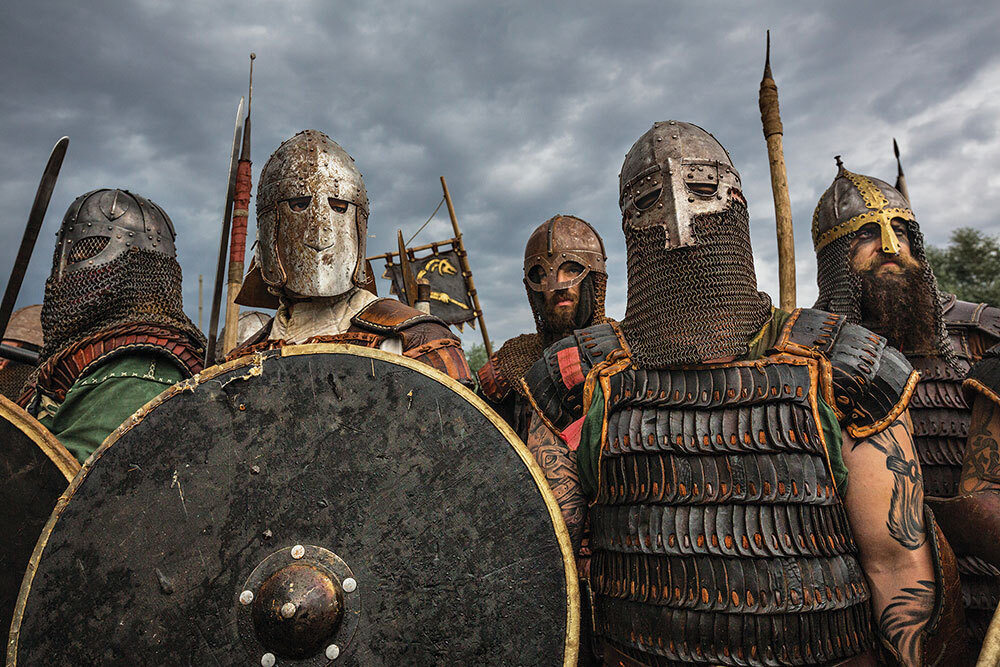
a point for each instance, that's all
(502, 372)
(390, 317)
(971, 316)
(870, 383)
(423, 337)
(554, 383)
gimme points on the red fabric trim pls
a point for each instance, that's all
(569, 367)
(571, 434)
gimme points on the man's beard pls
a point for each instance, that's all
(899, 306)
(563, 319)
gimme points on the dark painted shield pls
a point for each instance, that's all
(34, 471)
(321, 504)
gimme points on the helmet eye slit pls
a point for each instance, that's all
(299, 204)
(338, 205)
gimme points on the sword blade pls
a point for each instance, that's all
(227, 214)
(35, 218)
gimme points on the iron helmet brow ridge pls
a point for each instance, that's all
(316, 249)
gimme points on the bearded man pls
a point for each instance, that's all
(872, 269)
(566, 281)
(312, 221)
(749, 472)
(113, 322)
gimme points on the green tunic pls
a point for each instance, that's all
(105, 396)
(589, 452)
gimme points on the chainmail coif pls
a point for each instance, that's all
(691, 304)
(840, 286)
(138, 286)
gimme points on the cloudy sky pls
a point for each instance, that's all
(526, 110)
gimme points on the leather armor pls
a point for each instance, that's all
(941, 414)
(424, 337)
(717, 531)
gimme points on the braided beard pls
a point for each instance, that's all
(138, 286)
(691, 304)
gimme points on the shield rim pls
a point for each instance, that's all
(255, 363)
(41, 436)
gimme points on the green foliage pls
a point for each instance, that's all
(476, 355)
(969, 266)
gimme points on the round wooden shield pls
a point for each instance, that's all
(34, 470)
(315, 505)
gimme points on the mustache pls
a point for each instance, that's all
(905, 262)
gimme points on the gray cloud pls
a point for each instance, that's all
(527, 110)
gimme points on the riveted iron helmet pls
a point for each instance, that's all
(101, 225)
(312, 219)
(558, 240)
(851, 202)
(673, 173)
(692, 289)
(561, 239)
(114, 264)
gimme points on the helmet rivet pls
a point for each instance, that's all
(246, 597)
(332, 652)
(675, 136)
(691, 199)
(298, 551)
(267, 660)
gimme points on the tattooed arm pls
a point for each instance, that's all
(885, 503)
(981, 466)
(558, 463)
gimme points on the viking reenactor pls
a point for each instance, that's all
(753, 490)
(115, 332)
(312, 224)
(24, 331)
(873, 271)
(566, 281)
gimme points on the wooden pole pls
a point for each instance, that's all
(770, 117)
(466, 271)
(200, 301)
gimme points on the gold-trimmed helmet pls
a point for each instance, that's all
(853, 201)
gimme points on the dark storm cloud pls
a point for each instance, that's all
(526, 110)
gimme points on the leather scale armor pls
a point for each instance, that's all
(717, 532)
(941, 416)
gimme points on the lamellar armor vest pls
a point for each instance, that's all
(718, 533)
(941, 416)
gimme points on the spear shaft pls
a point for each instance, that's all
(227, 211)
(770, 117)
(238, 241)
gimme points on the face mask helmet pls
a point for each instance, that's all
(312, 219)
(692, 289)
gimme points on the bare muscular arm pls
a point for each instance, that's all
(558, 463)
(885, 505)
(981, 466)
